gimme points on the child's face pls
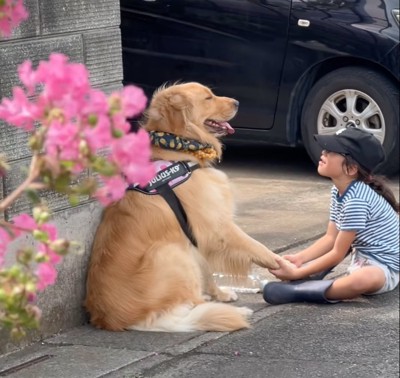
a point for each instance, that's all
(331, 164)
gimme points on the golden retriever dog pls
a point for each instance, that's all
(145, 273)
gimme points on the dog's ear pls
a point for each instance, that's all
(179, 101)
(169, 111)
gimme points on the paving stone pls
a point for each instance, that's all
(71, 361)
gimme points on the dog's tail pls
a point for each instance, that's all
(208, 316)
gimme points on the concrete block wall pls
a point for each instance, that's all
(88, 32)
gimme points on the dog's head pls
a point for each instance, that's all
(191, 111)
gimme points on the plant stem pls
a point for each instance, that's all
(34, 171)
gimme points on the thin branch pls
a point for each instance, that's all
(32, 176)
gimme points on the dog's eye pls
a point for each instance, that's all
(209, 98)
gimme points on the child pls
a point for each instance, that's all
(363, 217)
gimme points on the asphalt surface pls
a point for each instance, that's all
(283, 203)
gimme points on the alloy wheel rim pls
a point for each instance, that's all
(351, 108)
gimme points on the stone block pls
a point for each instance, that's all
(13, 142)
(103, 56)
(61, 16)
(12, 54)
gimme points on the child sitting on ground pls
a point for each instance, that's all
(364, 218)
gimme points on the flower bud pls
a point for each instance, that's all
(17, 333)
(116, 133)
(34, 311)
(115, 104)
(24, 256)
(55, 114)
(40, 214)
(92, 120)
(40, 235)
(4, 167)
(41, 257)
(60, 246)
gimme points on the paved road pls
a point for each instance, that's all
(283, 203)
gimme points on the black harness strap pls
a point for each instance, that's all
(160, 185)
(173, 201)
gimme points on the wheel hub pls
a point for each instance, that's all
(350, 124)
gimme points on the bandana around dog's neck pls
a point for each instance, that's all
(203, 151)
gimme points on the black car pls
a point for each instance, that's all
(297, 67)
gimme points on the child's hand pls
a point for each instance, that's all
(294, 259)
(286, 271)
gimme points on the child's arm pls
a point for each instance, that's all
(333, 257)
(320, 247)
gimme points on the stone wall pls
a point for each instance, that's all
(88, 32)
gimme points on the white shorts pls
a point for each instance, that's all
(358, 260)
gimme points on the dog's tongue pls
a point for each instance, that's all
(227, 127)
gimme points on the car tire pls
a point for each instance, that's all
(325, 111)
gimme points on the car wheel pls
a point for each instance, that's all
(356, 97)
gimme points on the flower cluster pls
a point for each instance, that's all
(12, 13)
(73, 128)
(77, 122)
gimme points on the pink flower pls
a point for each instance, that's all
(25, 222)
(46, 274)
(95, 103)
(132, 154)
(62, 140)
(5, 239)
(112, 190)
(12, 13)
(120, 123)
(99, 136)
(18, 111)
(27, 76)
(133, 101)
(62, 79)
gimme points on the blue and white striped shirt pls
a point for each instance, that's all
(363, 210)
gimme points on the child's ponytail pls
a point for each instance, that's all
(378, 183)
(381, 186)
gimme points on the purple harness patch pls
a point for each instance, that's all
(171, 172)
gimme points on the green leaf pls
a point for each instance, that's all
(73, 199)
(33, 196)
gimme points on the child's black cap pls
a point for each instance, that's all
(361, 145)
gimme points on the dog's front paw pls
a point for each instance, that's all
(207, 297)
(225, 294)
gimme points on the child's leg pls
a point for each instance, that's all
(366, 280)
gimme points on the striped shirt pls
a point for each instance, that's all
(363, 210)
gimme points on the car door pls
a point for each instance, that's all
(237, 47)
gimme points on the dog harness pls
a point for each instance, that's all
(169, 175)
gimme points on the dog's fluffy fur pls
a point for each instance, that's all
(144, 273)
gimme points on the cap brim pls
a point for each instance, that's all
(330, 143)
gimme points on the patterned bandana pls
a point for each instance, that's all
(173, 142)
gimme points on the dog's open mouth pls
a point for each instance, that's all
(219, 128)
